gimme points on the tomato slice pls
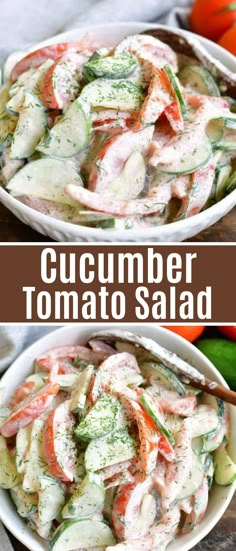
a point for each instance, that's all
(21, 393)
(31, 408)
(52, 51)
(59, 447)
(61, 82)
(127, 509)
(178, 406)
(159, 96)
(64, 354)
(165, 448)
(174, 116)
(113, 155)
(114, 373)
(148, 433)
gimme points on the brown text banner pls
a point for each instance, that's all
(104, 283)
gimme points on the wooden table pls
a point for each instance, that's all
(12, 230)
(222, 538)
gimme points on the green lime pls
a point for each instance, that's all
(222, 353)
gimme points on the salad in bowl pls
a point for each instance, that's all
(106, 446)
(132, 135)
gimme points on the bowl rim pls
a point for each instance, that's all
(187, 350)
(136, 234)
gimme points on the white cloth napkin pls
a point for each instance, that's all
(13, 339)
(23, 22)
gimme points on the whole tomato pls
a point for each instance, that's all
(188, 332)
(229, 331)
(212, 18)
(228, 40)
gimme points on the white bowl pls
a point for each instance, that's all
(219, 498)
(176, 231)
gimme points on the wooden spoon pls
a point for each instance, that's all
(187, 373)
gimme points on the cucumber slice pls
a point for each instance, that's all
(36, 466)
(51, 499)
(30, 128)
(191, 159)
(109, 450)
(229, 121)
(67, 381)
(194, 479)
(101, 52)
(4, 97)
(46, 179)
(9, 166)
(38, 379)
(215, 403)
(86, 500)
(104, 416)
(78, 534)
(216, 127)
(150, 407)
(120, 66)
(112, 94)
(204, 444)
(162, 374)
(209, 469)
(199, 79)
(176, 87)
(222, 178)
(31, 81)
(22, 448)
(15, 103)
(228, 141)
(205, 422)
(197, 445)
(95, 219)
(225, 468)
(45, 531)
(231, 184)
(8, 474)
(69, 135)
(131, 181)
(215, 130)
(79, 393)
(26, 504)
(98, 54)
(211, 444)
(21, 82)
(7, 129)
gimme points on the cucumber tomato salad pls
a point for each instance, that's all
(115, 137)
(105, 447)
